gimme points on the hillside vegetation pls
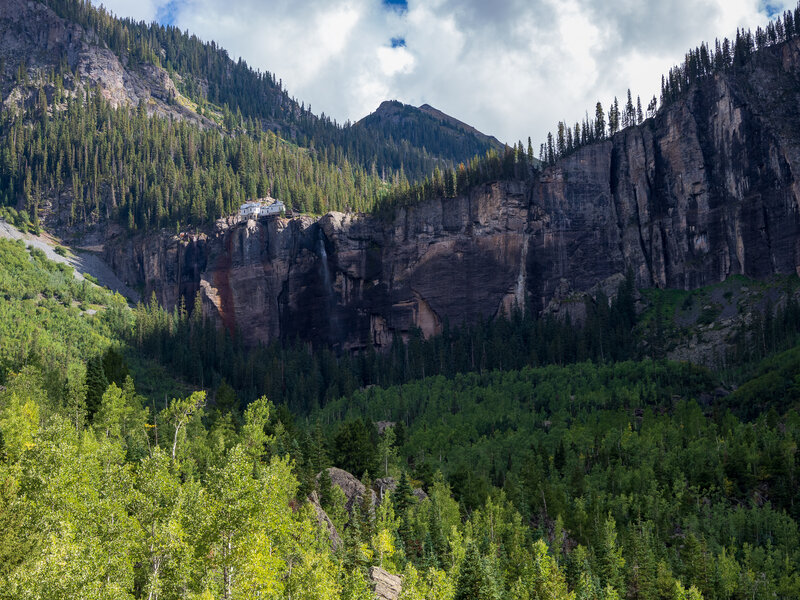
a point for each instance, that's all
(629, 479)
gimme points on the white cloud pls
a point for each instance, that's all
(141, 10)
(512, 68)
(395, 60)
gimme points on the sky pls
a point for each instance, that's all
(511, 68)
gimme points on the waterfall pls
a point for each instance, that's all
(519, 292)
(326, 271)
(562, 248)
(329, 302)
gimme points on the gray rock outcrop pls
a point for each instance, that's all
(385, 585)
(352, 488)
(34, 35)
(325, 522)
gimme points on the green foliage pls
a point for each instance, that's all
(354, 447)
(775, 384)
(620, 460)
(147, 172)
(476, 581)
(40, 323)
(19, 422)
(96, 384)
(21, 220)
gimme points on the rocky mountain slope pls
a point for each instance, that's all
(175, 74)
(706, 189)
(36, 41)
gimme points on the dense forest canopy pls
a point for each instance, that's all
(597, 480)
(305, 377)
(149, 172)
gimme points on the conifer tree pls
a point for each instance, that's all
(599, 122)
(475, 580)
(609, 555)
(96, 384)
(403, 499)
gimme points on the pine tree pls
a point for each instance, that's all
(630, 112)
(642, 569)
(609, 554)
(475, 580)
(325, 488)
(599, 122)
(96, 384)
(403, 498)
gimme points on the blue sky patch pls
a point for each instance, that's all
(398, 42)
(167, 12)
(398, 5)
(771, 8)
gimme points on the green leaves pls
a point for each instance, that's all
(73, 500)
(476, 579)
(179, 413)
(254, 436)
(19, 422)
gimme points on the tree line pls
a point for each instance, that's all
(93, 163)
(699, 63)
(206, 74)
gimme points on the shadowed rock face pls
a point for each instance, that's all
(707, 189)
(349, 280)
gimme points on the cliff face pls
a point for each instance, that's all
(349, 280)
(708, 188)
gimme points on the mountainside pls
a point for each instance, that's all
(36, 41)
(176, 74)
(552, 452)
(428, 128)
(706, 189)
(526, 480)
(78, 149)
(703, 190)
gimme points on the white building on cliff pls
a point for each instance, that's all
(263, 207)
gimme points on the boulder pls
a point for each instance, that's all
(349, 484)
(385, 585)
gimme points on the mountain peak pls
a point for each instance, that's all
(426, 126)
